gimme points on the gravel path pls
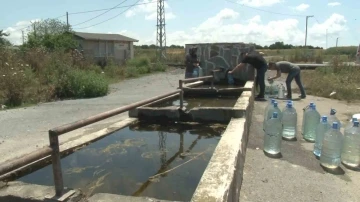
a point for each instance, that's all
(25, 129)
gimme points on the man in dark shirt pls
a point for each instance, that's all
(294, 73)
(191, 62)
(256, 60)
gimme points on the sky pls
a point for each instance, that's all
(198, 21)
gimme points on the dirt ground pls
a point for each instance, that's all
(25, 129)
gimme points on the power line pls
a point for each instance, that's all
(103, 9)
(101, 13)
(285, 14)
(111, 17)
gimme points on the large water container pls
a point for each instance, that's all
(305, 109)
(272, 139)
(270, 104)
(311, 120)
(351, 124)
(332, 117)
(289, 121)
(271, 110)
(331, 148)
(287, 102)
(350, 155)
(321, 129)
(281, 91)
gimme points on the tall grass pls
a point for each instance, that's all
(35, 75)
(339, 78)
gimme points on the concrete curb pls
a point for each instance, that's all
(222, 179)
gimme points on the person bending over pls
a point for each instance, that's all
(191, 62)
(294, 72)
(259, 63)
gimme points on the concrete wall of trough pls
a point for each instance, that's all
(223, 55)
(222, 179)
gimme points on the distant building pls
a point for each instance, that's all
(102, 47)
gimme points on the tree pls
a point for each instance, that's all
(3, 40)
(51, 34)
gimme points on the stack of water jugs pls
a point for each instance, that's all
(330, 145)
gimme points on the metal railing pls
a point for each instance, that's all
(183, 81)
(54, 148)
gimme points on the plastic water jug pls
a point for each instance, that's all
(332, 118)
(305, 109)
(350, 155)
(311, 120)
(271, 103)
(230, 79)
(321, 129)
(281, 92)
(272, 139)
(351, 124)
(331, 148)
(271, 110)
(289, 121)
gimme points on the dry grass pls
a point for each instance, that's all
(33, 76)
(342, 79)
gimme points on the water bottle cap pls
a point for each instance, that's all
(324, 118)
(275, 115)
(289, 105)
(275, 104)
(273, 100)
(354, 119)
(335, 125)
(356, 123)
(332, 111)
(311, 104)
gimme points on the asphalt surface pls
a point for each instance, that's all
(25, 129)
(297, 176)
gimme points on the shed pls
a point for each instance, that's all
(102, 47)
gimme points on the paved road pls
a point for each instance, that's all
(24, 130)
(297, 176)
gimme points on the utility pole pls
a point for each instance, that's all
(161, 31)
(23, 37)
(326, 38)
(307, 17)
(337, 40)
(67, 20)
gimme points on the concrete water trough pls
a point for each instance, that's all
(195, 107)
(196, 155)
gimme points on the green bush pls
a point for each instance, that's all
(131, 71)
(159, 67)
(81, 84)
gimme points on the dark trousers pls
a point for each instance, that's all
(294, 74)
(260, 80)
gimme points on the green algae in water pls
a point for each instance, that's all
(125, 161)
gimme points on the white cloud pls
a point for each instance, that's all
(259, 3)
(16, 31)
(335, 24)
(149, 8)
(302, 7)
(332, 4)
(221, 28)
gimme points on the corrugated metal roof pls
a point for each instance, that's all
(105, 37)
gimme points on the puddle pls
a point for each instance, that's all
(189, 103)
(164, 162)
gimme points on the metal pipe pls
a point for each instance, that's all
(56, 164)
(196, 79)
(78, 124)
(212, 81)
(181, 94)
(13, 164)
